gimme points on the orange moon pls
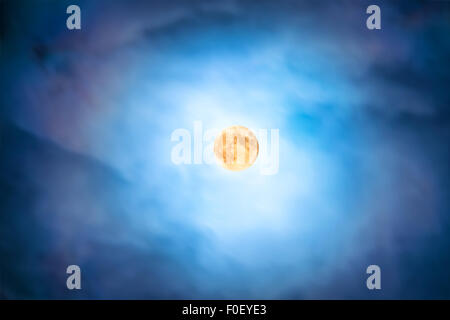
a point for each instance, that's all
(236, 148)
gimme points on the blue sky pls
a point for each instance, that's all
(87, 177)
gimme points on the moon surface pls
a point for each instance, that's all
(236, 148)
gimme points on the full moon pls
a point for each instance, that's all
(236, 148)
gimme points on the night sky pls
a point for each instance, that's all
(86, 176)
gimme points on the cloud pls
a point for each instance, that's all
(363, 130)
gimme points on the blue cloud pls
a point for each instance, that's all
(88, 180)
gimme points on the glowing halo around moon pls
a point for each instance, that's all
(236, 148)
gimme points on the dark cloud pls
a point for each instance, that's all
(86, 176)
